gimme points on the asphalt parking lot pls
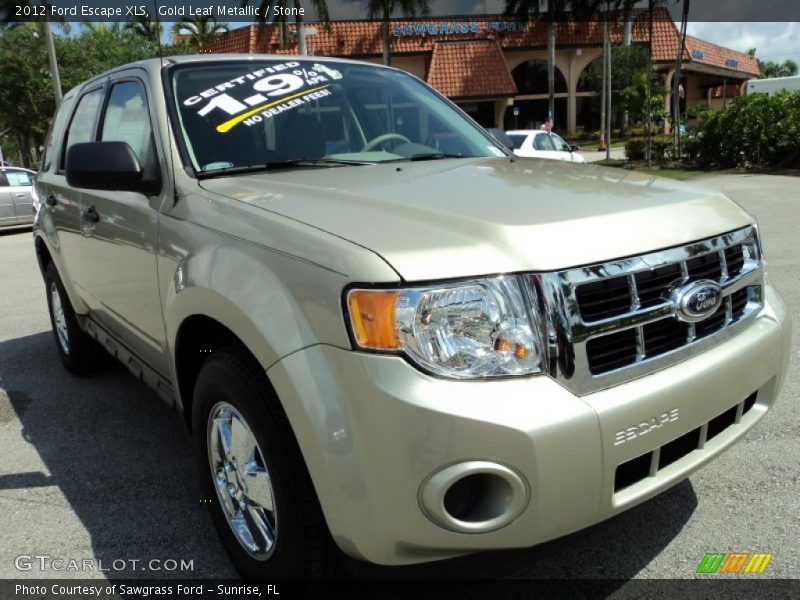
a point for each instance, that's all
(99, 468)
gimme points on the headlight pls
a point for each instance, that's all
(479, 328)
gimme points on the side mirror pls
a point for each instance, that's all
(105, 166)
(574, 147)
(501, 136)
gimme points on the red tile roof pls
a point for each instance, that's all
(470, 69)
(361, 39)
(710, 54)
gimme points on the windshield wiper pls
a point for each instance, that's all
(428, 156)
(282, 164)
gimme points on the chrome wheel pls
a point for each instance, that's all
(59, 320)
(242, 482)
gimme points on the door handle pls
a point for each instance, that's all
(50, 200)
(90, 215)
(22, 195)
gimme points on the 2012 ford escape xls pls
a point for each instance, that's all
(387, 334)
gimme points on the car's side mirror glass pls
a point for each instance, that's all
(109, 166)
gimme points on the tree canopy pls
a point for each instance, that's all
(27, 104)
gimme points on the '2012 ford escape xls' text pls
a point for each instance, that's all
(389, 336)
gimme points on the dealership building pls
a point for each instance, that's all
(495, 68)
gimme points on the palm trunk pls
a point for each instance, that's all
(603, 89)
(648, 128)
(387, 49)
(676, 99)
(301, 31)
(551, 65)
(627, 28)
(627, 34)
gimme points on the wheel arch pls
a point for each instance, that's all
(199, 335)
(43, 255)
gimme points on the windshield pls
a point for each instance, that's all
(243, 114)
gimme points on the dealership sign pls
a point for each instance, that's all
(456, 27)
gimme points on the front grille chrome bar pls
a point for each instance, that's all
(568, 332)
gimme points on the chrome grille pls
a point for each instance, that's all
(611, 322)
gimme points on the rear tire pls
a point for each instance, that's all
(263, 502)
(79, 353)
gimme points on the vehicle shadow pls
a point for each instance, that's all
(120, 457)
(123, 460)
(14, 230)
(609, 553)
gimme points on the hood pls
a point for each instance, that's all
(468, 217)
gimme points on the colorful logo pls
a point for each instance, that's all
(734, 562)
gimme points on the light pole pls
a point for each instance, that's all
(51, 54)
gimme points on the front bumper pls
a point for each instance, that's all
(373, 429)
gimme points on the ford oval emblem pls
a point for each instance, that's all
(697, 300)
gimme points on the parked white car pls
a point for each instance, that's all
(538, 143)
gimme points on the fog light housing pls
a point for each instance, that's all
(474, 496)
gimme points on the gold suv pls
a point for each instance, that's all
(388, 335)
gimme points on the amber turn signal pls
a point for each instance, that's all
(372, 314)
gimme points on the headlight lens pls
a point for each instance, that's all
(479, 328)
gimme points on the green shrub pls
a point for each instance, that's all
(756, 130)
(634, 149)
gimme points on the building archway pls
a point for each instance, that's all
(531, 103)
(587, 102)
(531, 78)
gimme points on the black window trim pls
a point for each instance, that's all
(62, 154)
(123, 77)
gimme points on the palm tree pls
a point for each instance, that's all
(769, 69)
(145, 28)
(101, 28)
(384, 10)
(199, 31)
(267, 14)
(320, 7)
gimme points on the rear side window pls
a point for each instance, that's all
(127, 119)
(82, 127)
(542, 142)
(18, 178)
(3, 180)
(56, 132)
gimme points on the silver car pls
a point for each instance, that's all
(16, 205)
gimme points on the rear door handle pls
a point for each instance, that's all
(90, 215)
(22, 195)
(50, 200)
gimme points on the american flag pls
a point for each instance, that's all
(548, 125)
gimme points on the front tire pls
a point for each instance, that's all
(79, 353)
(262, 500)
